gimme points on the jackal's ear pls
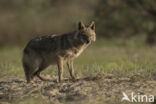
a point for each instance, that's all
(81, 25)
(92, 25)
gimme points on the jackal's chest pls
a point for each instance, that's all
(78, 52)
(74, 52)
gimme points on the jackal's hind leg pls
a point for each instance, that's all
(38, 73)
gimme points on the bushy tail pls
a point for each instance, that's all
(27, 69)
(27, 73)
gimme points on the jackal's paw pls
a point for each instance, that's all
(60, 81)
(74, 78)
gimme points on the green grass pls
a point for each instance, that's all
(126, 58)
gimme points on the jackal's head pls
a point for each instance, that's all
(86, 33)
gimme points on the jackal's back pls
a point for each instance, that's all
(66, 45)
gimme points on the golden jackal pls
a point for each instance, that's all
(43, 51)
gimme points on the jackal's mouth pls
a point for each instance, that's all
(94, 39)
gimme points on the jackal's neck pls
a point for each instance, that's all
(77, 42)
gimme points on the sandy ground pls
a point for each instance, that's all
(105, 89)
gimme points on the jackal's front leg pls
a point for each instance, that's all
(60, 69)
(71, 69)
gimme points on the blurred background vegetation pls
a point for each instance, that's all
(21, 20)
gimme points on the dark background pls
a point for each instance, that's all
(21, 20)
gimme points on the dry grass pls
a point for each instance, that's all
(118, 64)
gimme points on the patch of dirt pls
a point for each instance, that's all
(105, 89)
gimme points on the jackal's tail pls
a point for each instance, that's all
(27, 68)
